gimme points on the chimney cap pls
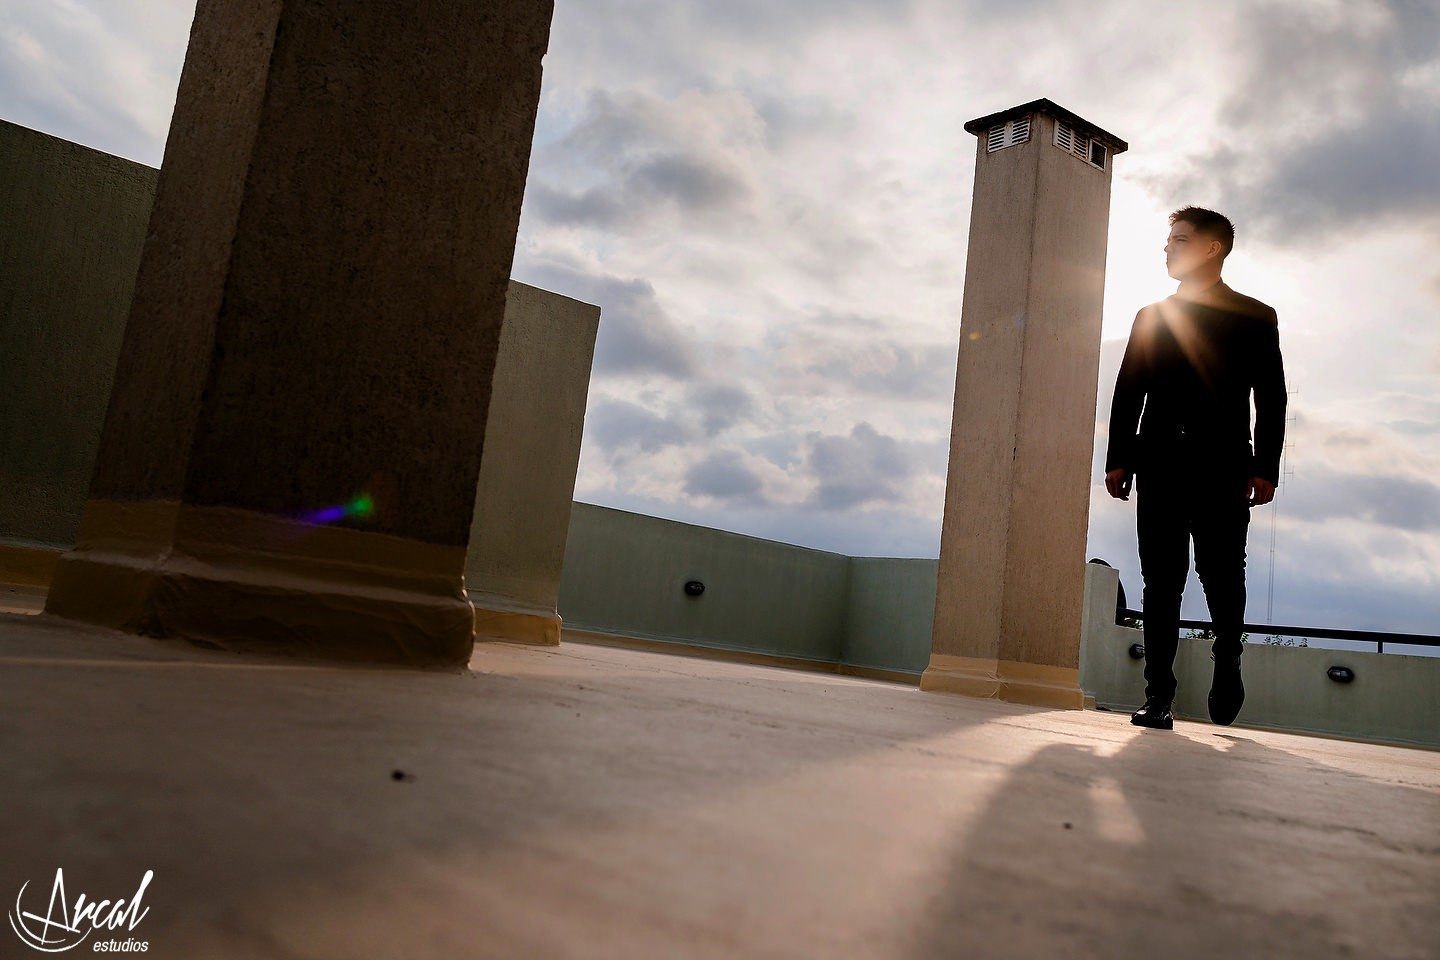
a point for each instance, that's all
(981, 125)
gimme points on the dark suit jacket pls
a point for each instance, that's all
(1192, 368)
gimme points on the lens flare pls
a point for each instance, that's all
(362, 506)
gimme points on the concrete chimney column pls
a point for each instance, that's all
(292, 445)
(1010, 596)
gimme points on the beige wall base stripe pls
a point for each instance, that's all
(513, 627)
(27, 566)
(247, 581)
(1009, 680)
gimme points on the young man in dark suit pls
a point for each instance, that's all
(1192, 364)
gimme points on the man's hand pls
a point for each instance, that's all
(1261, 491)
(1117, 483)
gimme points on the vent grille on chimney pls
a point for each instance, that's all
(1007, 134)
(1091, 151)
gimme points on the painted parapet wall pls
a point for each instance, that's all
(889, 608)
(625, 576)
(1393, 698)
(72, 223)
(527, 477)
(1108, 673)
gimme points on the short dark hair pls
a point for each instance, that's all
(1210, 223)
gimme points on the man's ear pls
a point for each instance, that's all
(1216, 250)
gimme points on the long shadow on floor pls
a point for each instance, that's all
(1191, 844)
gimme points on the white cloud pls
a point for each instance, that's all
(1345, 135)
(725, 475)
(855, 470)
(633, 161)
(101, 74)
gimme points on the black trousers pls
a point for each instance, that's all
(1175, 503)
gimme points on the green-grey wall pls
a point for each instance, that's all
(72, 222)
(532, 443)
(888, 612)
(625, 573)
(1393, 697)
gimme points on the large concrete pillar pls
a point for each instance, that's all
(291, 450)
(1010, 596)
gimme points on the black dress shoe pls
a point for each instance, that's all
(1227, 693)
(1155, 714)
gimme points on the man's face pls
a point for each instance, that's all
(1185, 250)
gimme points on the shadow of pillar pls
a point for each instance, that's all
(1189, 848)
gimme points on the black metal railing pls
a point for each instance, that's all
(1319, 633)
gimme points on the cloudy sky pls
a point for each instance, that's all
(770, 201)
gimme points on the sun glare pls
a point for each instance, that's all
(1135, 264)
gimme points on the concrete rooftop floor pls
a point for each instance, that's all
(589, 801)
